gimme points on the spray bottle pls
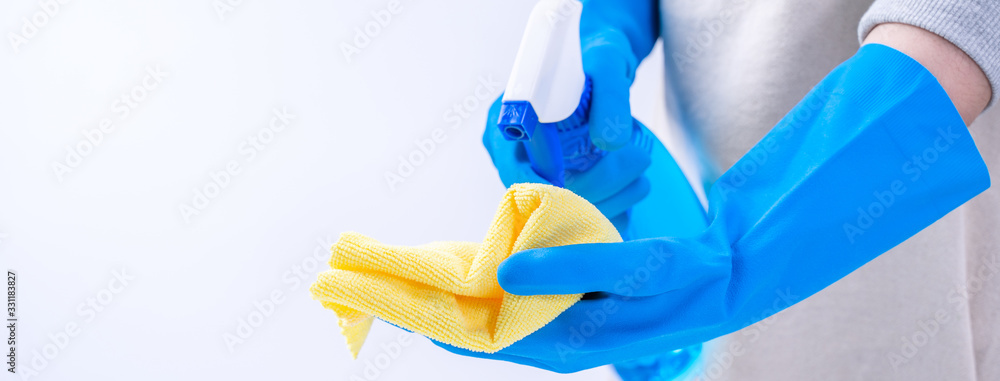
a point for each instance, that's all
(545, 106)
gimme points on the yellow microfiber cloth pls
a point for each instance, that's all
(448, 291)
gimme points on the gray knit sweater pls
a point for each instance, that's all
(972, 25)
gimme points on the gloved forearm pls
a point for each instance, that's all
(857, 168)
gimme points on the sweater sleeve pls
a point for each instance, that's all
(972, 25)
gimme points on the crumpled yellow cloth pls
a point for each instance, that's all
(448, 291)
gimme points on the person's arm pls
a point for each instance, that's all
(961, 77)
(876, 152)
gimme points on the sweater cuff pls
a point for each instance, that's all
(971, 25)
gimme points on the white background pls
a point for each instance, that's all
(193, 280)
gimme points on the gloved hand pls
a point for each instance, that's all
(614, 37)
(872, 155)
(613, 184)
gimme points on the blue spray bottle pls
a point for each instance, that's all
(545, 106)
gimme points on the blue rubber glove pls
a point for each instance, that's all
(872, 155)
(614, 37)
(613, 184)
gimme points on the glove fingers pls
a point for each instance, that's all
(517, 169)
(610, 71)
(621, 202)
(599, 326)
(610, 174)
(634, 268)
(612, 329)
